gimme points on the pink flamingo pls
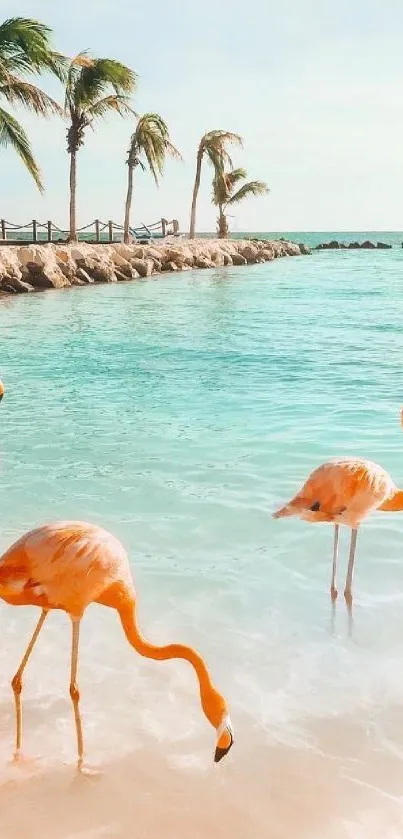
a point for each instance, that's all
(1, 390)
(68, 565)
(344, 491)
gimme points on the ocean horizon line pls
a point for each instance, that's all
(308, 230)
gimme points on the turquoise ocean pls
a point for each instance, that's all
(178, 412)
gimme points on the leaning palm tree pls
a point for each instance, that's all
(25, 50)
(94, 88)
(224, 196)
(149, 146)
(213, 146)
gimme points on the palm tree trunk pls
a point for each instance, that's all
(73, 184)
(195, 194)
(222, 223)
(126, 226)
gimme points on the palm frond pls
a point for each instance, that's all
(234, 176)
(214, 143)
(172, 151)
(28, 36)
(151, 139)
(93, 81)
(223, 194)
(25, 47)
(82, 59)
(220, 138)
(224, 183)
(73, 72)
(101, 108)
(220, 193)
(122, 78)
(28, 95)
(94, 88)
(13, 134)
(251, 188)
(58, 64)
(219, 159)
(89, 86)
(154, 125)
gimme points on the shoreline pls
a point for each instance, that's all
(38, 267)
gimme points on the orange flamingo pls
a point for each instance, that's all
(1, 390)
(344, 491)
(68, 565)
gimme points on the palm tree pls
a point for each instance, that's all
(213, 146)
(25, 50)
(224, 196)
(151, 142)
(94, 88)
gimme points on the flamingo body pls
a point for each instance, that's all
(344, 490)
(68, 565)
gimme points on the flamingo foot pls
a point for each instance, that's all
(24, 761)
(348, 597)
(88, 771)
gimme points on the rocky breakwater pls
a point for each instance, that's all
(367, 245)
(39, 267)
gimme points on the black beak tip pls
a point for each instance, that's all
(220, 753)
(1, 396)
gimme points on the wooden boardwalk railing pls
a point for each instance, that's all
(97, 231)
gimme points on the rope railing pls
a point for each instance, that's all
(96, 231)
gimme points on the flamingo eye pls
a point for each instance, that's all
(315, 507)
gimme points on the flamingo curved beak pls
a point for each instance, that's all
(220, 753)
(225, 735)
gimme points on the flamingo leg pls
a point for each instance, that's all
(349, 579)
(75, 693)
(17, 683)
(333, 588)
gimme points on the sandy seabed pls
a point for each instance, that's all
(263, 791)
(335, 777)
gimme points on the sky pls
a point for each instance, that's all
(315, 88)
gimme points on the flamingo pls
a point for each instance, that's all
(68, 565)
(1, 390)
(344, 491)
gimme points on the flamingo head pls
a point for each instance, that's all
(225, 738)
(305, 509)
(314, 514)
(216, 710)
(1, 390)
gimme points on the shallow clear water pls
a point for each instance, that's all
(178, 413)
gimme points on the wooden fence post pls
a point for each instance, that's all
(97, 234)
(110, 229)
(3, 229)
(34, 231)
(175, 225)
(49, 231)
(164, 227)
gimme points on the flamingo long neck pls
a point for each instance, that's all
(208, 694)
(393, 504)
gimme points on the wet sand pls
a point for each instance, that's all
(337, 777)
(263, 791)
